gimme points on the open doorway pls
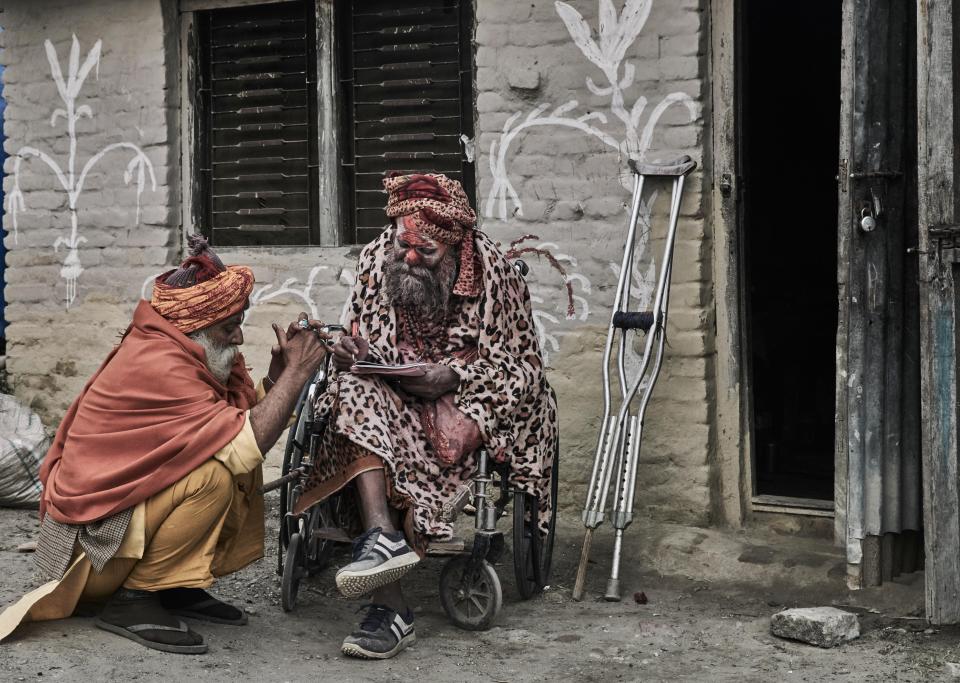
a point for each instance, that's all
(789, 129)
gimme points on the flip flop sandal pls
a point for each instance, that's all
(132, 633)
(196, 611)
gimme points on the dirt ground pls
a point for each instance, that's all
(691, 629)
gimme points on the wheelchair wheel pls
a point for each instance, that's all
(292, 456)
(532, 551)
(471, 598)
(293, 572)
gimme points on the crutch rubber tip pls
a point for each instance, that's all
(613, 591)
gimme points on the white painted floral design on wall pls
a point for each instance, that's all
(139, 168)
(617, 32)
(549, 253)
(290, 289)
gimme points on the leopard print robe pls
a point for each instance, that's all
(504, 391)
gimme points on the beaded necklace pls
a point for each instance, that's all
(429, 337)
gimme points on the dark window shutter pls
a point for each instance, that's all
(257, 147)
(408, 81)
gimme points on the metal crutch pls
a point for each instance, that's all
(618, 446)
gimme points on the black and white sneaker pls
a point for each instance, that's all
(379, 558)
(381, 635)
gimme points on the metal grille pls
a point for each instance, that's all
(408, 79)
(257, 133)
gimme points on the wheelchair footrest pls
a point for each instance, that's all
(454, 546)
(332, 534)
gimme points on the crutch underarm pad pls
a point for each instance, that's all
(628, 320)
(676, 168)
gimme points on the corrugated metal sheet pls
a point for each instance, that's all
(884, 522)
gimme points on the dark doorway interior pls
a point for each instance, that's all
(789, 95)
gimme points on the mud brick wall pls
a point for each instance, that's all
(560, 104)
(66, 307)
(122, 99)
(570, 101)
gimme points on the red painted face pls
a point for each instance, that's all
(415, 248)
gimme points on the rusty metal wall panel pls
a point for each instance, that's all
(882, 364)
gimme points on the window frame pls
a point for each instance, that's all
(466, 21)
(333, 112)
(327, 182)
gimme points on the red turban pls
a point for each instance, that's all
(202, 291)
(441, 212)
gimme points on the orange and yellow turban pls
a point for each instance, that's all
(202, 291)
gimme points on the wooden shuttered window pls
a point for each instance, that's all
(257, 125)
(407, 89)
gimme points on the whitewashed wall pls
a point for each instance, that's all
(565, 93)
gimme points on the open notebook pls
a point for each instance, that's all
(370, 367)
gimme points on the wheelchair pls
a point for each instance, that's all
(470, 589)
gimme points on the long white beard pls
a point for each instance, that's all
(219, 358)
(420, 289)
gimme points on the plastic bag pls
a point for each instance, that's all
(23, 443)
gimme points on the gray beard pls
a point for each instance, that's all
(219, 358)
(420, 290)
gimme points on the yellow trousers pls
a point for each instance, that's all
(208, 524)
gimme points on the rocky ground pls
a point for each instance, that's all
(712, 627)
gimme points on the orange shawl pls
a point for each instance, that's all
(151, 414)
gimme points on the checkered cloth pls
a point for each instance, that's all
(100, 541)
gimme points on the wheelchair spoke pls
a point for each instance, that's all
(464, 603)
(478, 604)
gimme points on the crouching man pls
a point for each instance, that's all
(151, 484)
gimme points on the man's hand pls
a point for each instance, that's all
(438, 380)
(277, 362)
(302, 351)
(349, 350)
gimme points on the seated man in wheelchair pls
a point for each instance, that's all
(430, 289)
(151, 483)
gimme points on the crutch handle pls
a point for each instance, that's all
(633, 320)
(677, 168)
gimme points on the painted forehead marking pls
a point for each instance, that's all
(409, 231)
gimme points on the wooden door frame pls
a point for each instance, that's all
(937, 199)
(732, 419)
(841, 474)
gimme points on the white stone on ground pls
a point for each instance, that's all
(820, 626)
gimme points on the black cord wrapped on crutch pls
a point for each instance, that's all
(618, 446)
